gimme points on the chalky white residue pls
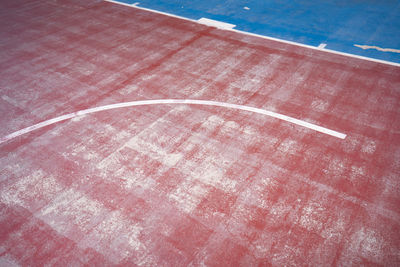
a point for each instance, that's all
(262, 245)
(85, 68)
(230, 127)
(211, 171)
(254, 194)
(31, 190)
(212, 122)
(188, 195)
(148, 77)
(279, 211)
(367, 244)
(92, 225)
(247, 83)
(310, 218)
(336, 167)
(72, 212)
(334, 230)
(288, 146)
(82, 150)
(116, 237)
(319, 105)
(350, 144)
(7, 261)
(286, 256)
(129, 89)
(154, 151)
(13, 101)
(209, 165)
(369, 147)
(357, 173)
(150, 142)
(132, 176)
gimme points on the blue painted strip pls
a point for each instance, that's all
(338, 23)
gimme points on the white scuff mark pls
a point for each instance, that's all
(312, 217)
(246, 8)
(365, 47)
(90, 224)
(368, 243)
(322, 46)
(174, 101)
(6, 260)
(154, 151)
(31, 191)
(216, 23)
(188, 195)
(369, 147)
(116, 237)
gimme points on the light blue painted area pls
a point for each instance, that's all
(338, 23)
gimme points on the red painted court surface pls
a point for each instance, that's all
(185, 184)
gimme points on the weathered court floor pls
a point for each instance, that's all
(189, 184)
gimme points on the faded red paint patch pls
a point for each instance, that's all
(189, 185)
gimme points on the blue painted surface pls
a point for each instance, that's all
(338, 23)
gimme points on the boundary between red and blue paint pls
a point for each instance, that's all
(377, 43)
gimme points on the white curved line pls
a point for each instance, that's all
(172, 101)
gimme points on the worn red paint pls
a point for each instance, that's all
(189, 185)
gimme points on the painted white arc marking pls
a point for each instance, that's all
(173, 101)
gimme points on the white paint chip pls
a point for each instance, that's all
(377, 48)
(216, 23)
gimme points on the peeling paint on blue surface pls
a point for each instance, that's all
(340, 24)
